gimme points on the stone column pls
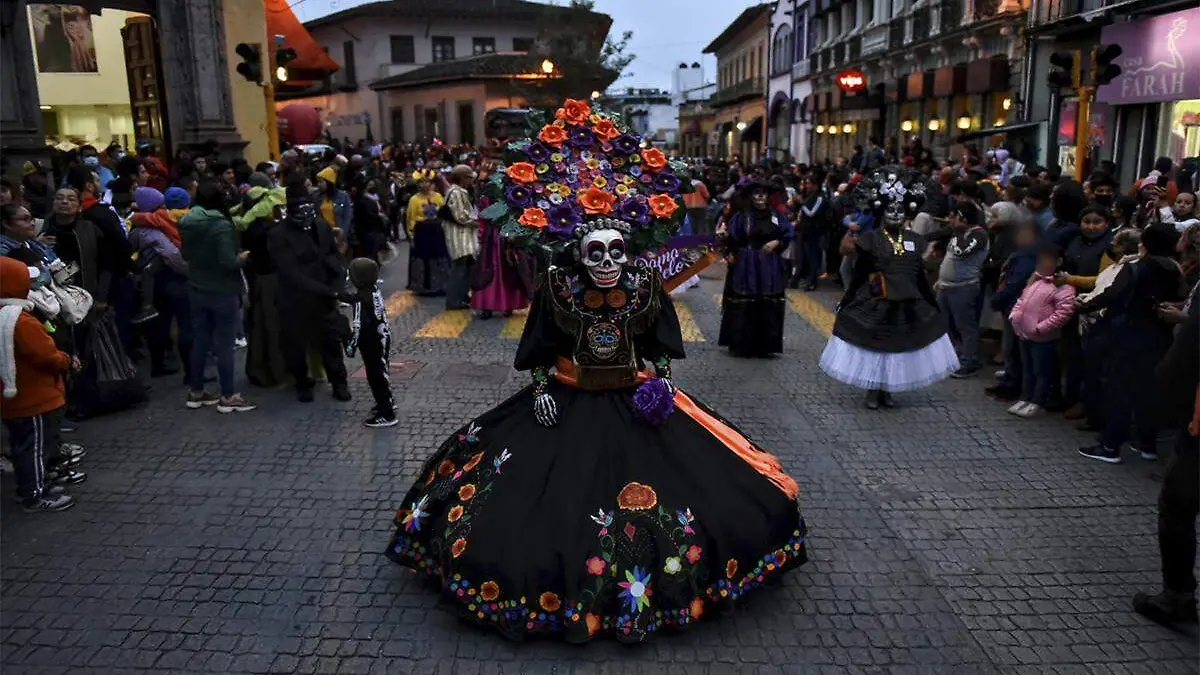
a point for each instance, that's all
(21, 135)
(196, 74)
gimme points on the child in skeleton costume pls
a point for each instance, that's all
(600, 500)
(889, 335)
(371, 335)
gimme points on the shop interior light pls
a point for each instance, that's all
(281, 74)
(906, 125)
(820, 129)
(548, 67)
(1006, 103)
(999, 122)
(595, 95)
(847, 128)
(741, 126)
(935, 124)
(964, 122)
(833, 129)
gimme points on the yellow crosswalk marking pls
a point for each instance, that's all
(399, 302)
(447, 324)
(687, 324)
(514, 325)
(813, 312)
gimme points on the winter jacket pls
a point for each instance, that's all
(153, 244)
(965, 255)
(307, 263)
(1084, 259)
(1042, 310)
(462, 230)
(258, 202)
(210, 249)
(1014, 274)
(116, 250)
(39, 365)
(343, 212)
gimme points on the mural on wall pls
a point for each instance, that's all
(63, 39)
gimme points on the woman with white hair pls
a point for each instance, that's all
(460, 219)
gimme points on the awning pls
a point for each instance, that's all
(312, 61)
(753, 131)
(1022, 126)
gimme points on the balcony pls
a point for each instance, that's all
(801, 69)
(854, 49)
(945, 17)
(742, 90)
(875, 40)
(1050, 11)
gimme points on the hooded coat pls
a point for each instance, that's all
(33, 382)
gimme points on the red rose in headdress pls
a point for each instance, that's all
(553, 135)
(606, 130)
(663, 206)
(574, 112)
(522, 172)
(533, 217)
(654, 158)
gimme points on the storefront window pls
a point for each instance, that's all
(1180, 138)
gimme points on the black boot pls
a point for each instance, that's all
(872, 400)
(886, 400)
(1167, 608)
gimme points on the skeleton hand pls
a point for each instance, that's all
(545, 410)
(669, 385)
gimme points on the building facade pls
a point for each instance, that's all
(1151, 110)
(942, 71)
(424, 69)
(649, 112)
(197, 99)
(789, 89)
(739, 103)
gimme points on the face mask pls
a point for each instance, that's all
(91, 161)
(120, 154)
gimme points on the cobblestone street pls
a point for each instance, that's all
(945, 536)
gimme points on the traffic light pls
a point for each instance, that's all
(1103, 68)
(282, 58)
(251, 65)
(1064, 70)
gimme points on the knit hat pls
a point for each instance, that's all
(328, 174)
(259, 179)
(147, 199)
(177, 198)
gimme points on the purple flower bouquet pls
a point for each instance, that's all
(653, 402)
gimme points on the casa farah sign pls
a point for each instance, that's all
(1160, 59)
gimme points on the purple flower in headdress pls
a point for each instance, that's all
(519, 195)
(625, 145)
(563, 219)
(666, 182)
(580, 137)
(538, 153)
(634, 210)
(635, 171)
(653, 402)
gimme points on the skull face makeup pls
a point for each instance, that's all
(603, 255)
(758, 199)
(894, 213)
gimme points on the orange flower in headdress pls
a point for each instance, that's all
(596, 201)
(663, 206)
(606, 130)
(553, 135)
(654, 158)
(522, 172)
(533, 217)
(574, 112)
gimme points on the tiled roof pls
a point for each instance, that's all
(487, 66)
(473, 9)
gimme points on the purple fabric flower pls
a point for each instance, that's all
(580, 137)
(538, 153)
(519, 195)
(634, 210)
(666, 182)
(635, 171)
(563, 219)
(653, 402)
(625, 145)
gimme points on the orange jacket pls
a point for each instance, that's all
(40, 365)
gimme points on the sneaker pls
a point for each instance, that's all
(341, 392)
(304, 395)
(1031, 410)
(1101, 453)
(6, 465)
(378, 421)
(1166, 608)
(65, 476)
(1000, 374)
(240, 343)
(145, 315)
(68, 427)
(872, 400)
(48, 503)
(1016, 408)
(72, 450)
(965, 372)
(201, 400)
(63, 461)
(235, 403)
(1149, 456)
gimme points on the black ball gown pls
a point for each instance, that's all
(603, 524)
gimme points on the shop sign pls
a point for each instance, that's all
(1160, 59)
(1100, 121)
(852, 81)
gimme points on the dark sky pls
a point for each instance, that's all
(665, 32)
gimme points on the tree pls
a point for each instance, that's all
(585, 58)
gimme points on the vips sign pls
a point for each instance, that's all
(1160, 59)
(851, 81)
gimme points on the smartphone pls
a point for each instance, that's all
(1163, 181)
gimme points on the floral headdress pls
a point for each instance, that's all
(585, 166)
(899, 184)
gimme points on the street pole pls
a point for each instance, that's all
(269, 99)
(1083, 117)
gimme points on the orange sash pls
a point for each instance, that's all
(766, 464)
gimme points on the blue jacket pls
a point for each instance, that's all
(1014, 274)
(343, 212)
(8, 244)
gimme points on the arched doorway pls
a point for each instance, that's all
(779, 129)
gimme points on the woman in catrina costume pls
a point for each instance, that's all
(600, 500)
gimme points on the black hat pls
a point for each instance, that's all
(969, 212)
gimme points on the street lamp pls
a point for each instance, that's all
(595, 95)
(548, 67)
(833, 130)
(741, 126)
(964, 122)
(935, 124)
(906, 126)
(847, 128)
(281, 74)
(1006, 103)
(820, 129)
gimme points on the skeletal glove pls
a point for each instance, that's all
(545, 410)
(662, 366)
(669, 385)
